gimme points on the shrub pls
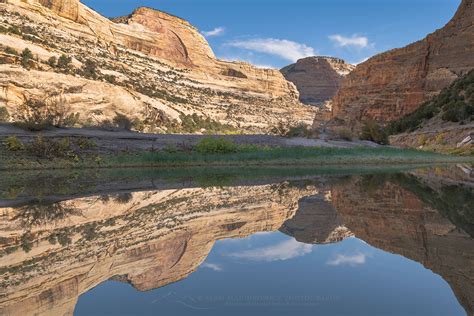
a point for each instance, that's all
(216, 146)
(110, 79)
(52, 61)
(194, 123)
(454, 104)
(123, 122)
(37, 115)
(32, 115)
(26, 56)
(11, 51)
(457, 111)
(14, 30)
(64, 62)
(89, 69)
(344, 133)
(301, 130)
(138, 125)
(372, 131)
(13, 143)
(47, 148)
(85, 143)
(4, 115)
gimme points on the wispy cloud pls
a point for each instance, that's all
(283, 48)
(353, 41)
(351, 260)
(247, 60)
(215, 32)
(283, 251)
(212, 266)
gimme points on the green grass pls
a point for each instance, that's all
(219, 152)
(283, 156)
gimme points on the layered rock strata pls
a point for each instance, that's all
(393, 84)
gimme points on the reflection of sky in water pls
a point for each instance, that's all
(271, 273)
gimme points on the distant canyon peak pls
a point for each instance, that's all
(317, 78)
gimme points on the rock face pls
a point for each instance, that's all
(151, 66)
(393, 84)
(317, 78)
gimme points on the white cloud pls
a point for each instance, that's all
(283, 48)
(212, 266)
(354, 41)
(283, 251)
(215, 32)
(247, 60)
(351, 260)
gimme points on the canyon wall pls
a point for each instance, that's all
(151, 66)
(317, 79)
(393, 84)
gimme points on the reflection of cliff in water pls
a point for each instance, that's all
(418, 218)
(53, 249)
(148, 239)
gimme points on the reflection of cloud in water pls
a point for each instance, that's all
(351, 260)
(212, 266)
(282, 251)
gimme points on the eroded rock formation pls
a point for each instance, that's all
(317, 78)
(393, 84)
(151, 66)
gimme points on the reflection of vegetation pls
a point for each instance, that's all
(38, 185)
(62, 237)
(27, 242)
(41, 213)
(123, 198)
(455, 202)
(90, 231)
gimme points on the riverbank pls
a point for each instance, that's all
(79, 154)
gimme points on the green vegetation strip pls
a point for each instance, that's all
(45, 153)
(283, 156)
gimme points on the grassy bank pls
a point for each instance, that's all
(212, 152)
(284, 157)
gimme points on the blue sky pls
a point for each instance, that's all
(277, 32)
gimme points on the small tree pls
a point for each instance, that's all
(373, 132)
(36, 115)
(64, 62)
(26, 56)
(123, 122)
(4, 115)
(89, 69)
(53, 61)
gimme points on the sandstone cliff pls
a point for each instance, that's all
(317, 78)
(153, 67)
(393, 84)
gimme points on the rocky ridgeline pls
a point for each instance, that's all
(317, 78)
(393, 84)
(154, 68)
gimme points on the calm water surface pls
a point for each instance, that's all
(233, 242)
